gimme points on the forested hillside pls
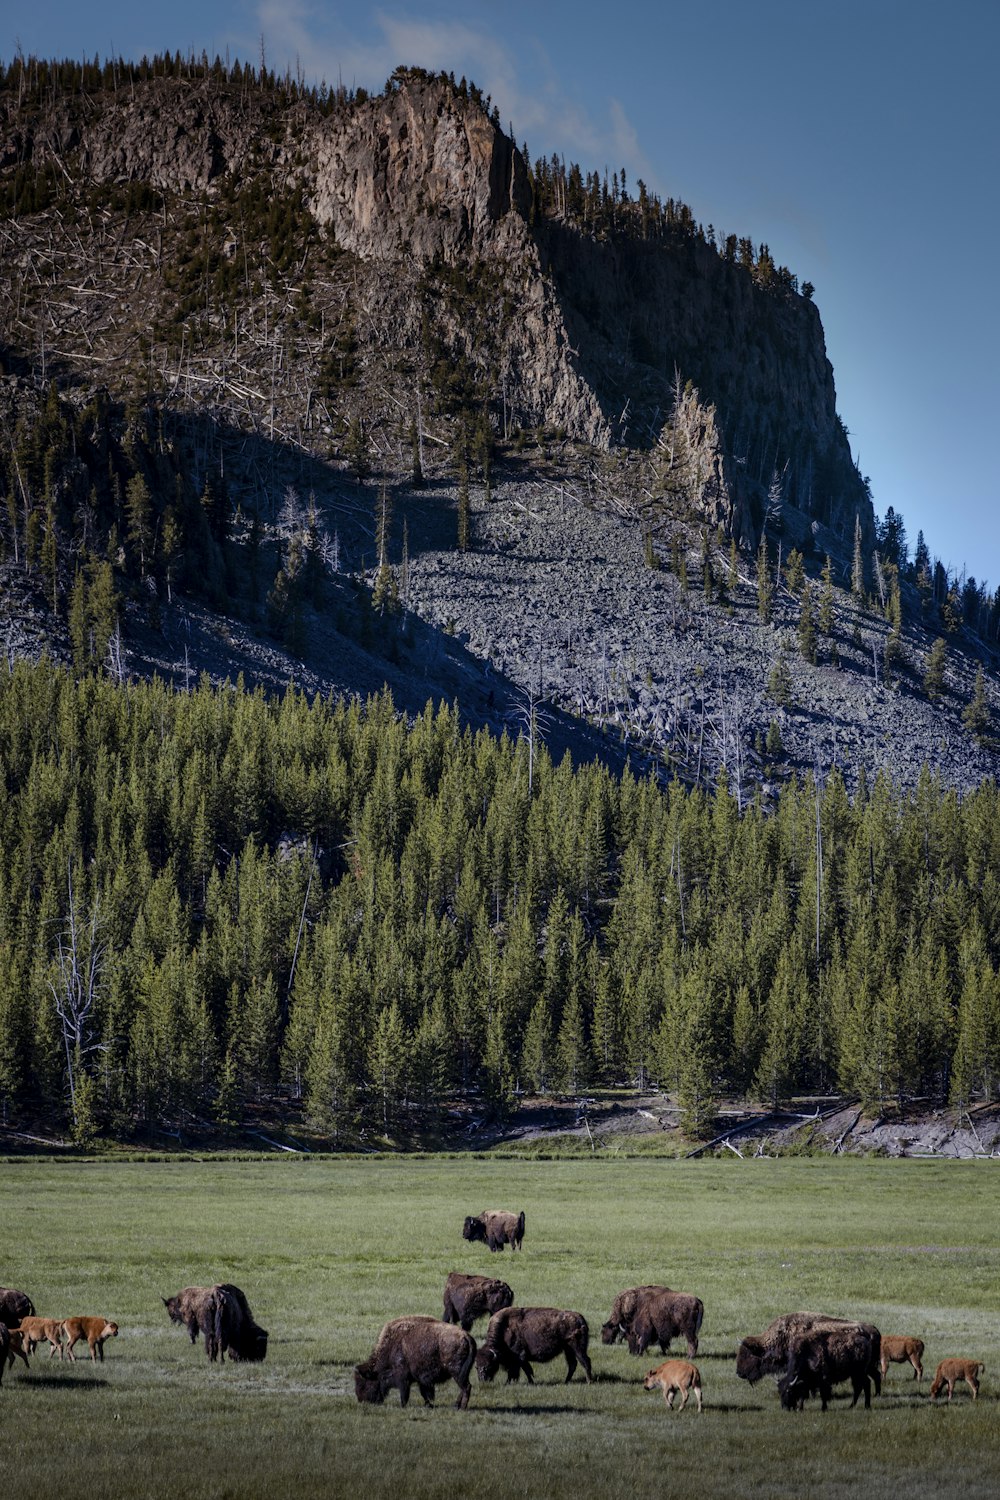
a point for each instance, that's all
(214, 906)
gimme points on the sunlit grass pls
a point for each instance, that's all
(327, 1251)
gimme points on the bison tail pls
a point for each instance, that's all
(520, 1225)
(700, 1314)
(467, 1364)
(31, 1309)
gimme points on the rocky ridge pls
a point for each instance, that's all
(414, 252)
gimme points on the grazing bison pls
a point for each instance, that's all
(496, 1227)
(417, 1350)
(768, 1354)
(14, 1307)
(35, 1331)
(824, 1357)
(950, 1371)
(467, 1298)
(223, 1315)
(623, 1311)
(897, 1349)
(654, 1315)
(675, 1375)
(518, 1335)
(94, 1330)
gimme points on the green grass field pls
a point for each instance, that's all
(328, 1250)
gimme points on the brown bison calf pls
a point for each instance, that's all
(518, 1335)
(675, 1375)
(35, 1331)
(417, 1350)
(950, 1371)
(496, 1227)
(14, 1306)
(897, 1349)
(467, 1298)
(223, 1315)
(647, 1315)
(94, 1330)
(825, 1357)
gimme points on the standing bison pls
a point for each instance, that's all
(768, 1353)
(467, 1298)
(645, 1315)
(417, 1350)
(496, 1227)
(14, 1307)
(223, 1315)
(518, 1335)
(824, 1357)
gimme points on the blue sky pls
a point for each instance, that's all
(859, 138)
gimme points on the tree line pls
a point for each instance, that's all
(215, 905)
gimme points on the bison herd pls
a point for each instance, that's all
(806, 1353)
(221, 1313)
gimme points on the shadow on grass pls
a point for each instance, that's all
(67, 1382)
(543, 1409)
(713, 1406)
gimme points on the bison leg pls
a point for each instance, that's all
(404, 1390)
(692, 1346)
(684, 1398)
(467, 1325)
(570, 1364)
(526, 1367)
(427, 1391)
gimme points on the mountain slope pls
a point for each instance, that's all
(321, 330)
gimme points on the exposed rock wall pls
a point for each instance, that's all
(421, 175)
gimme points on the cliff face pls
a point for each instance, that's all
(571, 330)
(419, 171)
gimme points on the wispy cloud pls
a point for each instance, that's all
(525, 86)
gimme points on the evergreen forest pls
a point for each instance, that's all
(216, 906)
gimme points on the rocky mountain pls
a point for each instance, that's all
(343, 388)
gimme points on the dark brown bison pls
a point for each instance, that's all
(467, 1298)
(417, 1350)
(518, 1335)
(768, 1353)
(824, 1357)
(646, 1315)
(623, 1311)
(5, 1358)
(223, 1315)
(14, 1306)
(496, 1227)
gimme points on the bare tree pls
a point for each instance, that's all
(78, 965)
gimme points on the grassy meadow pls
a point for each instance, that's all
(328, 1250)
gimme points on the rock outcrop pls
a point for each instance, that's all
(598, 325)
